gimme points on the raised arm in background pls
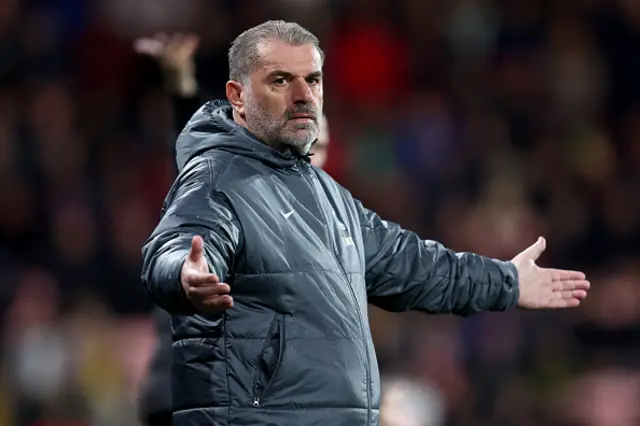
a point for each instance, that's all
(175, 55)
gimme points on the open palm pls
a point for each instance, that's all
(546, 288)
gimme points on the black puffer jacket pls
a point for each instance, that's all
(303, 259)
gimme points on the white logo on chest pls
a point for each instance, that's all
(286, 215)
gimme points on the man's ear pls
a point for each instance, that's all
(235, 96)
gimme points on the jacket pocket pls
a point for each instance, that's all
(269, 360)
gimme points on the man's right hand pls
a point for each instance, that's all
(203, 289)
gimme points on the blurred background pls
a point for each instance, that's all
(480, 123)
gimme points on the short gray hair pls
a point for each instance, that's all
(244, 56)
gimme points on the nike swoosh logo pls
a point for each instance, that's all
(286, 215)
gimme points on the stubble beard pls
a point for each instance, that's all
(278, 132)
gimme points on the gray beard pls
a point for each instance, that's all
(273, 130)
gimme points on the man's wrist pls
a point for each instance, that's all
(181, 80)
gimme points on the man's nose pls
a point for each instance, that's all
(301, 92)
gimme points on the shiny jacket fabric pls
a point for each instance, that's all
(303, 259)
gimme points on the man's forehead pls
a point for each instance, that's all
(278, 55)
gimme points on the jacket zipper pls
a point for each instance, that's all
(351, 290)
(278, 319)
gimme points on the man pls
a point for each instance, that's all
(267, 264)
(175, 55)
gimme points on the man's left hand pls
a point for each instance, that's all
(544, 288)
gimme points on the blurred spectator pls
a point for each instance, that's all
(408, 403)
(604, 397)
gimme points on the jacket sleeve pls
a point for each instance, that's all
(192, 208)
(405, 273)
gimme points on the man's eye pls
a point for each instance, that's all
(313, 81)
(280, 81)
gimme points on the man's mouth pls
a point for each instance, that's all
(303, 117)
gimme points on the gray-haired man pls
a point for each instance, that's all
(267, 264)
(175, 55)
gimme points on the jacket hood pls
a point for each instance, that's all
(212, 127)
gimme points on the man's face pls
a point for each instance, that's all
(283, 97)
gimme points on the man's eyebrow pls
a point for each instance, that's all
(285, 74)
(280, 73)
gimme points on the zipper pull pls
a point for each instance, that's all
(256, 402)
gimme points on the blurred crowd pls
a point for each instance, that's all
(480, 123)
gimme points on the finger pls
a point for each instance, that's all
(579, 294)
(560, 274)
(161, 37)
(192, 38)
(197, 249)
(567, 299)
(190, 44)
(534, 251)
(573, 294)
(196, 278)
(207, 291)
(147, 46)
(217, 304)
(174, 42)
(564, 303)
(571, 285)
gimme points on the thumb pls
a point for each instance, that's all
(197, 248)
(534, 251)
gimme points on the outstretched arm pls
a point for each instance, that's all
(404, 272)
(181, 273)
